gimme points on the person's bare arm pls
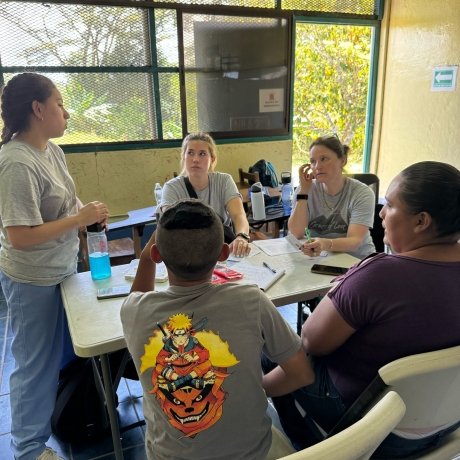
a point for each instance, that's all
(325, 330)
(298, 221)
(240, 225)
(23, 236)
(144, 281)
(290, 375)
(236, 211)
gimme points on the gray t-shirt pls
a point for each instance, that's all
(36, 187)
(217, 194)
(221, 412)
(331, 216)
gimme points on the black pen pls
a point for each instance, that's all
(268, 266)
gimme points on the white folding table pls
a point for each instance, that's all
(95, 325)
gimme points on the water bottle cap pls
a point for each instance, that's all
(257, 187)
(94, 228)
(286, 180)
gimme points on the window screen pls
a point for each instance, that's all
(99, 59)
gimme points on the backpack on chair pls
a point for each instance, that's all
(267, 173)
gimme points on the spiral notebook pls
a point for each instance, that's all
(262, 276)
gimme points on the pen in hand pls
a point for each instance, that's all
(268, 266)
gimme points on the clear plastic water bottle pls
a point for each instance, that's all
(98, 252)
(157, 191)
(257, 202)
(286, 193)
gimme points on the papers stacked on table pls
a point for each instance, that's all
(161, 274)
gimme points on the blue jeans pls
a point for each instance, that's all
(37, 320)
(320, 400)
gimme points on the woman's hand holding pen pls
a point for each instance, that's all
(314, 246)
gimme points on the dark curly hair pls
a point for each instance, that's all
(16, 101)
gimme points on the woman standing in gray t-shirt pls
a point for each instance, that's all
(337, 211)
(40, 215)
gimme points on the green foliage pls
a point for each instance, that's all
(331, 83)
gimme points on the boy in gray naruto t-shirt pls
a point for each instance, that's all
(197, 346)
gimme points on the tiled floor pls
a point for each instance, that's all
(129, 408)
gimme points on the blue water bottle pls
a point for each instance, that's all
(98, 252)
(286, 191)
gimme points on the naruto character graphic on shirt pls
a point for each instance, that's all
(189, 367)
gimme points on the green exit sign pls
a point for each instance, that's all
(444, 78)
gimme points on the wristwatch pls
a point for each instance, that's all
(301, 196)
(243, 235)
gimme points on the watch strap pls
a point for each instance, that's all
(302, 196)
(243, 235)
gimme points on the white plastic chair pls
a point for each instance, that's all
(429, 384)
(360, 440)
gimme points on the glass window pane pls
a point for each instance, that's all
(170, 106)
(236, 73)
(331, 87)
(365, 7)
(39, 34)
(245, 3)
(166, 38)
(105, 107)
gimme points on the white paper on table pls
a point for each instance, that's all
(287, 245)
(254, 250)
(161, 274)
(260, 275)
(276, 246)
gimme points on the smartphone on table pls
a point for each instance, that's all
(114, 291)
(328, 270)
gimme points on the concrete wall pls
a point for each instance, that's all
(125, 179)
(413, 123)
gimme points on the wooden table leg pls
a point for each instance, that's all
(138, 231)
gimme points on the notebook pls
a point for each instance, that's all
(261, 275)
(161, 274)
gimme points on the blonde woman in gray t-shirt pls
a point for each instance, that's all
(40, 215)
(218, 190)
(337, 210)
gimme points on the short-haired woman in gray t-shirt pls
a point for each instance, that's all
(337, 211)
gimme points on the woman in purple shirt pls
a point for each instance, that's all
(387, 307)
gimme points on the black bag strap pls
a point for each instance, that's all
(190, 189)
(229, 234)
